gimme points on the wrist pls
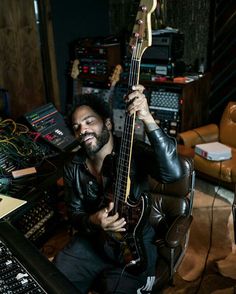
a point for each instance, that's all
(150, 124)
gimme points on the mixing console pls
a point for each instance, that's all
(23, 269)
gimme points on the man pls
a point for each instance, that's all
(88, 261)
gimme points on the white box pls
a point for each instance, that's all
(213, 151)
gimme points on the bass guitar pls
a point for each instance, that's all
(131, 248)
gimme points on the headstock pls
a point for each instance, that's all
(115, 77)
(75, 69)
(142, 31)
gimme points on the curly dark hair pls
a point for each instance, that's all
(97, 103)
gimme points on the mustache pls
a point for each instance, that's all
(83, 136)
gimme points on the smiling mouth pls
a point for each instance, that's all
(87, 139)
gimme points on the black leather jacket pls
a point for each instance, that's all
(84, 194)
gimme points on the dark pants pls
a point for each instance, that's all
(89, 269)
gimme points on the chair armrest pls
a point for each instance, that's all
(205, 134)
(177, 231)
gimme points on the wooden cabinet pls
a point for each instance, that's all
(195, 103)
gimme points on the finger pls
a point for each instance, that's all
(118, 230)
(111, 219)
(110, 206)
(137, 106)
(133, 96)
(107, 209)
(117, 226)
(130, 97)
(139, 88)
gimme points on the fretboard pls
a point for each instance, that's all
(122, 185)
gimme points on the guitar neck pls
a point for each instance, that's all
(140, 41)
(122, 181)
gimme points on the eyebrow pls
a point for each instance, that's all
(86, 117)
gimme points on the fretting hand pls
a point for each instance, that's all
(138, 104)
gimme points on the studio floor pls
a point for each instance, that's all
(209, 265)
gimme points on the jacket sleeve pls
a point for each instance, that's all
(77, 215)
(160, 158)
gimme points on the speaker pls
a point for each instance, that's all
(165, 47)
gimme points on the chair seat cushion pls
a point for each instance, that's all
(223, 170)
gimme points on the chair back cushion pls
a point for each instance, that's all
(228, 125)
(171, 200)
(180, 188)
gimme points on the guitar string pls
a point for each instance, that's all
(120, 182)
(129, 120)
(124, 135)
(120, 187)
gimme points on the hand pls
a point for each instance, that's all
(138, 103)
(108, 223)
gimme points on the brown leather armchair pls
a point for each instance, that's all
(171, 217)
(222, 172)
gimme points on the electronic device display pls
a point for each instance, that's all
(50, 124)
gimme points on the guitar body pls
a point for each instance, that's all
(127, 248)
(132, 246)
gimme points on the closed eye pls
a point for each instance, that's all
(87, 121)
(90, 121)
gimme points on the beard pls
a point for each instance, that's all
(101, 140)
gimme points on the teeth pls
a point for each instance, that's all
(88, 137)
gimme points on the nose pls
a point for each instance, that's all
(83, 130)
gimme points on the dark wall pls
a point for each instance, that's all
(192, 17)
(223, 60)
(75, 19)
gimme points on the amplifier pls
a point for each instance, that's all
(148, 71)
(93, 66)
(95, 58)
(164, 47)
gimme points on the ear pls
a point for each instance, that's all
(108, 124)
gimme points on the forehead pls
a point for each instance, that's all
(82, 112)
